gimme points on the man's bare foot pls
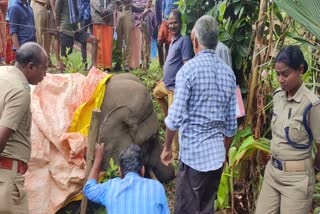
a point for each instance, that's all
(60, 66)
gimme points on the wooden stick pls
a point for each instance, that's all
(92, 139)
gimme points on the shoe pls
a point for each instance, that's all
(117, 68)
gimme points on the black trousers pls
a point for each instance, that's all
(195, 190)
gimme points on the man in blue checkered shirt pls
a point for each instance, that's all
(204, 111)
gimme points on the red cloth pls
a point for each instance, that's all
(104, 33)
(164, 34)
(10, 54)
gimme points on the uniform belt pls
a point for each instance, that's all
(7, 163)
(289, 166)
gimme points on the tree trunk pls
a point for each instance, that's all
(256, 61)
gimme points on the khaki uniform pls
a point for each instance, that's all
(125, 27)
(290, 189)
(42, 20)
(14, 114)
(124, 30)
(160, 92)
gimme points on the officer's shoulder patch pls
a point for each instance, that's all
(313, 98)
(277, 91)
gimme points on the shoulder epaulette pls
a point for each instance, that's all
(316, 102)
(313, 98)
(277, 91)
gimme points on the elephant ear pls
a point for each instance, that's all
(114, 133)
(144, 130)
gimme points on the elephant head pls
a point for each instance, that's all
(128, 117)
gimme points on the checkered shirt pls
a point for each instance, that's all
(204, 110)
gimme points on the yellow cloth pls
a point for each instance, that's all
(82, 116)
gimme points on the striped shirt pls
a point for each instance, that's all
(204, 110)
(131, 195)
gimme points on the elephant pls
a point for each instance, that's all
(127, 116)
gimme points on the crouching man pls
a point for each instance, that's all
(130, 192)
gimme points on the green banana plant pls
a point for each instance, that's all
(243, 146)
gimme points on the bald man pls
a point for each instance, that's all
(15, 123)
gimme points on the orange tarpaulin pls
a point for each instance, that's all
(57, 166)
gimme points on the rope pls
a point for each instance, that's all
(42, 28)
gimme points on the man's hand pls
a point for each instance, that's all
(48, 6)
(166, 155)
(98, 157)
(98, 154)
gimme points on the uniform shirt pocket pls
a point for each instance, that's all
(297, 132)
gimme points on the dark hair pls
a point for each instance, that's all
(131, 159)
(293, 57)
(30, 52)
(176, 13)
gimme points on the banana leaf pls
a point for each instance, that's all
(248, 146)
(223, 198)
(306, 12)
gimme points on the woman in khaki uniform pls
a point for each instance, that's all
(290, 176)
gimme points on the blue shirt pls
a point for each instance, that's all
(10, 3)
(167, 6)
(204, 110)
(86, 11)
(180, 50)
(22, 22)
(158, 11)
(132, 194)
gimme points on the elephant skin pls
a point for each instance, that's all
(127, 116)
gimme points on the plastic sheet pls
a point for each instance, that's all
(57, 167)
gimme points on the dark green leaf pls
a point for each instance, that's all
(238, 61)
